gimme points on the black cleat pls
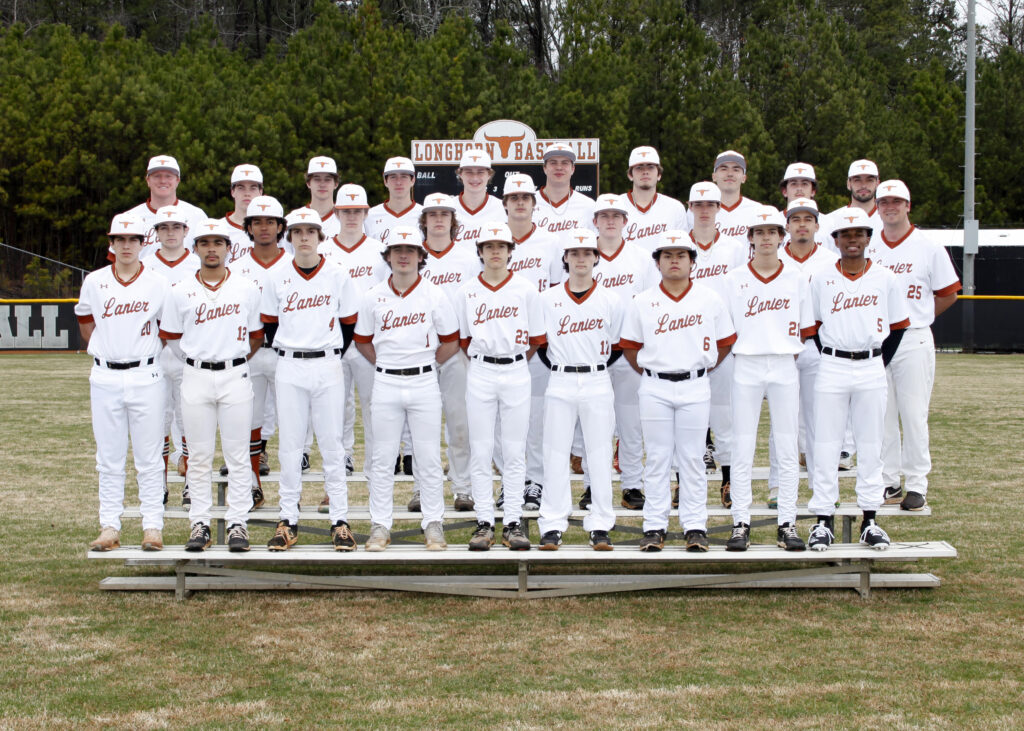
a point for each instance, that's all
(696, 541)
(342, 538)
(284, 537)
(199, 539)
(186, 497)
(514, 538)
(551, 540)
(913, 501)
(821, 536)
(788, 538)
(600, 541)
(632, 499)
(305, 462)
(482, 538)
(740, 538)
(585, 498)
(873, 536)
(892, 495)
(653, 540)
(238, 538)
(407, 464)
(223, 470)
(532, 495)
(257, 497)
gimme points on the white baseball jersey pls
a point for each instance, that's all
(716, 259)
(538, 257)
(471, 222)
(922, 267)
(580, 331)
(146, 214)
(241, 244)
(364, 262)
(628, 271)
(330, 225)
(556, 217)
(644, 226)
(381, 220)
(405, 329)
(733, 221)
(174, 271)
(857, 313)
(502, 320)
(126, 314)
(451, 268)
(256, 271)
(818, 258)
(213, 323)
(770, 314)
(305, 306)
(681, 334)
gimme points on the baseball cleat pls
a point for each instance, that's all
(773, 498)
(199, 539)
(284, 538)
(414, 503)
(787, 537)
(379, 539)
(464, 502)
(653, 541)
(342, 538)
(576, 464)
(483, 537)
(532, 496)
(167, 493)
(551, 540)
(152, 539)
(514, 538)
(108, 539)
(726, 494)
(265, 464)
(803, 459)
(407, 464)
(615, 458)
(600, 541)
(223, 470)
(821, 536)
(398, 465)
(696, 541)
(632, 499)
(709, 459)
(350, 466)
(892, 495)
(740, 538)
(913, 501)
(305, 461)
(585, 498)
(186, 497)
(238, 538)
(845, 461)
(257, 497)
(675, 497)
(873, 536)
(324, 506)
(499, 502)
(433, 536)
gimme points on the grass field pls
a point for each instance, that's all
(73, 656)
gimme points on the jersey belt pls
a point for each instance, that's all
(676, 375)
(306, 353)
(500, 360)
(852, 354)
(214, 365)
(405, 371)
(579, 369)
(123, 366)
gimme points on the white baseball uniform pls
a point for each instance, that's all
(405, 330)
(214, 325)
(678, 340)
(381, 220)
(924, 271)
(471, 222)
(146, 214)
(576, 210)
(497, 326)
(241, 244)
(310, 381)
(770, 315)
(644, 226)
(855, 316)
(126, 387)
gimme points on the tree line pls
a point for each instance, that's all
(86, 103)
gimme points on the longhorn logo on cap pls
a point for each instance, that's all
(851, 219)
(352, 196)
(644, 153)
(763, 216)
(398, 163)
(322, 163)
(211, 226)
(702, 191)
(303, 216)
(889, 187)
(474, 157)
(863, 166)
(673, 239)
(168, 213)
(519, 183)
(403, 234)
(263, 206)
(581, 239)
(494, 231)
(126, 224)
(163, 161)
(246, 171)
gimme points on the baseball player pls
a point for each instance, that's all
(406, 327)
(246, 184)
(799, 181)
(729, 174)
(930, 284)
(650, 213)
(862, 182)
(857, 304)
(500, 325)
(322, 180)
(560, 208)
(770, 310)
(475, 206)
(118, 312)
(162, 176)
(399, 209)
(360, 256)
(264, 224)
(173, 262)
(581, 322)
(214, 317)
(537, 256)
(309, 300)
(672, 334)
(717, 254)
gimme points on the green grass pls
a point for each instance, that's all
(73, 656)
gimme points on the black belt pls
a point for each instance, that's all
(265, 344)
(307, 353)
(214, 365)
(405, 371)
(124, 366)
(852, 354)
(500, 361)
(675, 375)
(579, 369)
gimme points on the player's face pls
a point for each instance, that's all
(474, 179)
(674, 264)
(243, 192)
(609, 223)
(162, 184)
(645, 176)
(321, 185)
(764, 239)
(852, 242)
(704, 212)
(893, 210)
(558, 169)
(399, 185)
(495, 254)
(126, 248)
(404, 259)
(264, 229)
(802, 227)
(171, 235)
(212, 251)
(519, 206)
(351, 219)
(862, 187)
(439, 223)
(305, 238)
(798, 188)
(581, 261)
(729, 176)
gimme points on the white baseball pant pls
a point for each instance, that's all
(721, 411)
(910, 375)
(807, 367)
(848, 389)
(587, 397)
(539, 375)
(451, 378)
(358, 372)
(172, 365)
(625, 385)
(129, 403)
(208, 399)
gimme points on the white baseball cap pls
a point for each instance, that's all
(322, 164)
(559, 149)
(893, 189)
(302, 216)
(265, 205)
(730, 156)
(674, 238)
(163, 162)
(438, 202)
(801, 205)
(245, 173)
(399, 165)
(212, 227)
(405, 236)
(474, 158)
(799, 171)
(496, 231)
(519, 183)
(351, 195)
(852, 217)
(644, 154)
(705, 191)
(611, 202)
(766, 216)
(124, 224)
(862, 167)
(170, 214)
(579, 238)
